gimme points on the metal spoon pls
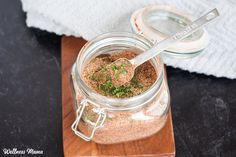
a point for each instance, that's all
(130, 65)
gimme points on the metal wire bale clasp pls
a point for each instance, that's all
(79, 112)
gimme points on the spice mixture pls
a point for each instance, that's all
(127, 125)
(95, 75)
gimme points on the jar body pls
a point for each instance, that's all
(109, 122)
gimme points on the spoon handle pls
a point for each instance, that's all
(164, 44)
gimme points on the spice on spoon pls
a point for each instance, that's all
(118, 72)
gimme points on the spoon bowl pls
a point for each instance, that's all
(121, 71)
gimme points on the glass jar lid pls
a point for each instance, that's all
(157, 22)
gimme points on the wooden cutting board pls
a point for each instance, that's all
(160, 144)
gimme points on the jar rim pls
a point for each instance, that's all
(108, 101)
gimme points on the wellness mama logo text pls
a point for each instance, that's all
(15, 151)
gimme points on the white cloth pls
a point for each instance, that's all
(87, 19)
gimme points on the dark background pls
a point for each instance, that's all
(203, 107)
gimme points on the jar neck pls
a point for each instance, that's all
(109, 43)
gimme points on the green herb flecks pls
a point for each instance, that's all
(119, 70)
(114, 67)
(109, 89)
(135, 83)
(99, 76)
(94, 77)
(123, 71)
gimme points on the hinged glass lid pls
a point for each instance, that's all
(160, 21)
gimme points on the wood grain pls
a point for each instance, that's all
(160, 144)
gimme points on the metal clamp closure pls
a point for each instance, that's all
(79, 112)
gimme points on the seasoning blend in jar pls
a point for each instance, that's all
(107, 113)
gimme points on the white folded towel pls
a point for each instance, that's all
(87, 19)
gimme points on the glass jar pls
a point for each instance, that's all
(109, 120)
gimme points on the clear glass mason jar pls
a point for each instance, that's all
(109, 120)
